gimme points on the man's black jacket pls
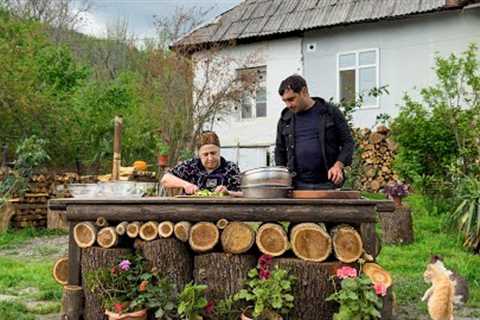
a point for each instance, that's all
(335, 137)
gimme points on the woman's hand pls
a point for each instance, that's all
(190, 188)
(221, 189)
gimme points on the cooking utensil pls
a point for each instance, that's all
(266, 192)
(266, 177)
(325, 194)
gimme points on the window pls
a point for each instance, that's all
(254, 102)
(357, 75)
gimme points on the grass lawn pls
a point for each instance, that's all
(408, 262)
(27, 287)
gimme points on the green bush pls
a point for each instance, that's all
(438, 135)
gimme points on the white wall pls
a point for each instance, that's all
(407, 49)
(282, 58)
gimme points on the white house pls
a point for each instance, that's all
(341, 47)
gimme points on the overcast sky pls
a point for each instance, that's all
(139, 13)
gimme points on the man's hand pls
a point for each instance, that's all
(221, 189)
(190, 188)
(335, 174)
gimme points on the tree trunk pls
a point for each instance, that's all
(224, 273)
(397, 226)
(312, 287)
(7, 211)
(165, 229)
(60, 271)
(172, 259)
(107, 237)
(85, 234)
(272, 239)
(237, 237)
(93, 259)
(182, 230)
(347, 243)
(133, 229)
(149, 231)
(203, 236)
(311, 242)
(72, 301)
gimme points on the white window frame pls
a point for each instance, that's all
(357, 68)
(254, 99)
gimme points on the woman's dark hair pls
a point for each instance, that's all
(208, 137)
(295, 83)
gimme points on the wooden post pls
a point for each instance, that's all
(72, 302)
(74, 255)
(117, 148)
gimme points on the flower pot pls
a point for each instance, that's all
(136, 315)
(163, 160)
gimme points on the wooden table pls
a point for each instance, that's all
(360, 213)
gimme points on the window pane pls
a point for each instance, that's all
(368, 57)
(261, 109)
(347, 86)
(366, 82)
(347, 60)
(246, 108)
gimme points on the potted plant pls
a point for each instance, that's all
(396, 191)
(358, 297)
(163, 150)
(192, 304)
(269, 292)
(127, 290)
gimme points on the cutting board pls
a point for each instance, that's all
(325, 194)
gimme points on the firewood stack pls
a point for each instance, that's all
(377, 152)
(31, 208)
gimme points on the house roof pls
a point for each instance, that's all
(264, 18)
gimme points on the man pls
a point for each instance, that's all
(313, 138)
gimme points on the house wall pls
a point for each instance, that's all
(255, 136)
(407, 49)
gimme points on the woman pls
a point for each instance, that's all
(208, 171)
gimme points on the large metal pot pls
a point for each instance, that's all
(266, 192)
(266, 177)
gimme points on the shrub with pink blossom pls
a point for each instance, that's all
(358, 297)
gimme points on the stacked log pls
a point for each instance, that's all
(377, 152)
(30, 211)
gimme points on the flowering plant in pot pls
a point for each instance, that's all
(358, 297)
(269, 291)
(127, 290)
(396, 191)
(192, 304)
(163, 150)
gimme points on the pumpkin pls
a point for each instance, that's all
(140, 165)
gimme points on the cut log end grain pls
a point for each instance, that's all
(107, 237)
(203, 236)
(237, 237)
(272, 239)
(222, 223)
(182, 230)
(347, 243)
(84, 234)
(133, 229)
(310, 242)
(101, 222)
(121, 228)
(60, 271)
(377, 274)
(165, 229)
(149, 231)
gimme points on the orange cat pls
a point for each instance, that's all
(440, 295)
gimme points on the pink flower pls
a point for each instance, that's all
(114, 270)
(380, 289)
(118, 307)
(265, 261)
(124, 265)
(346, 272)
(209, 307)
(264, 274)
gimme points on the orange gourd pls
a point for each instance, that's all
(140, 165)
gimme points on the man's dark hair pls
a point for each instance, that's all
(295, 83)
